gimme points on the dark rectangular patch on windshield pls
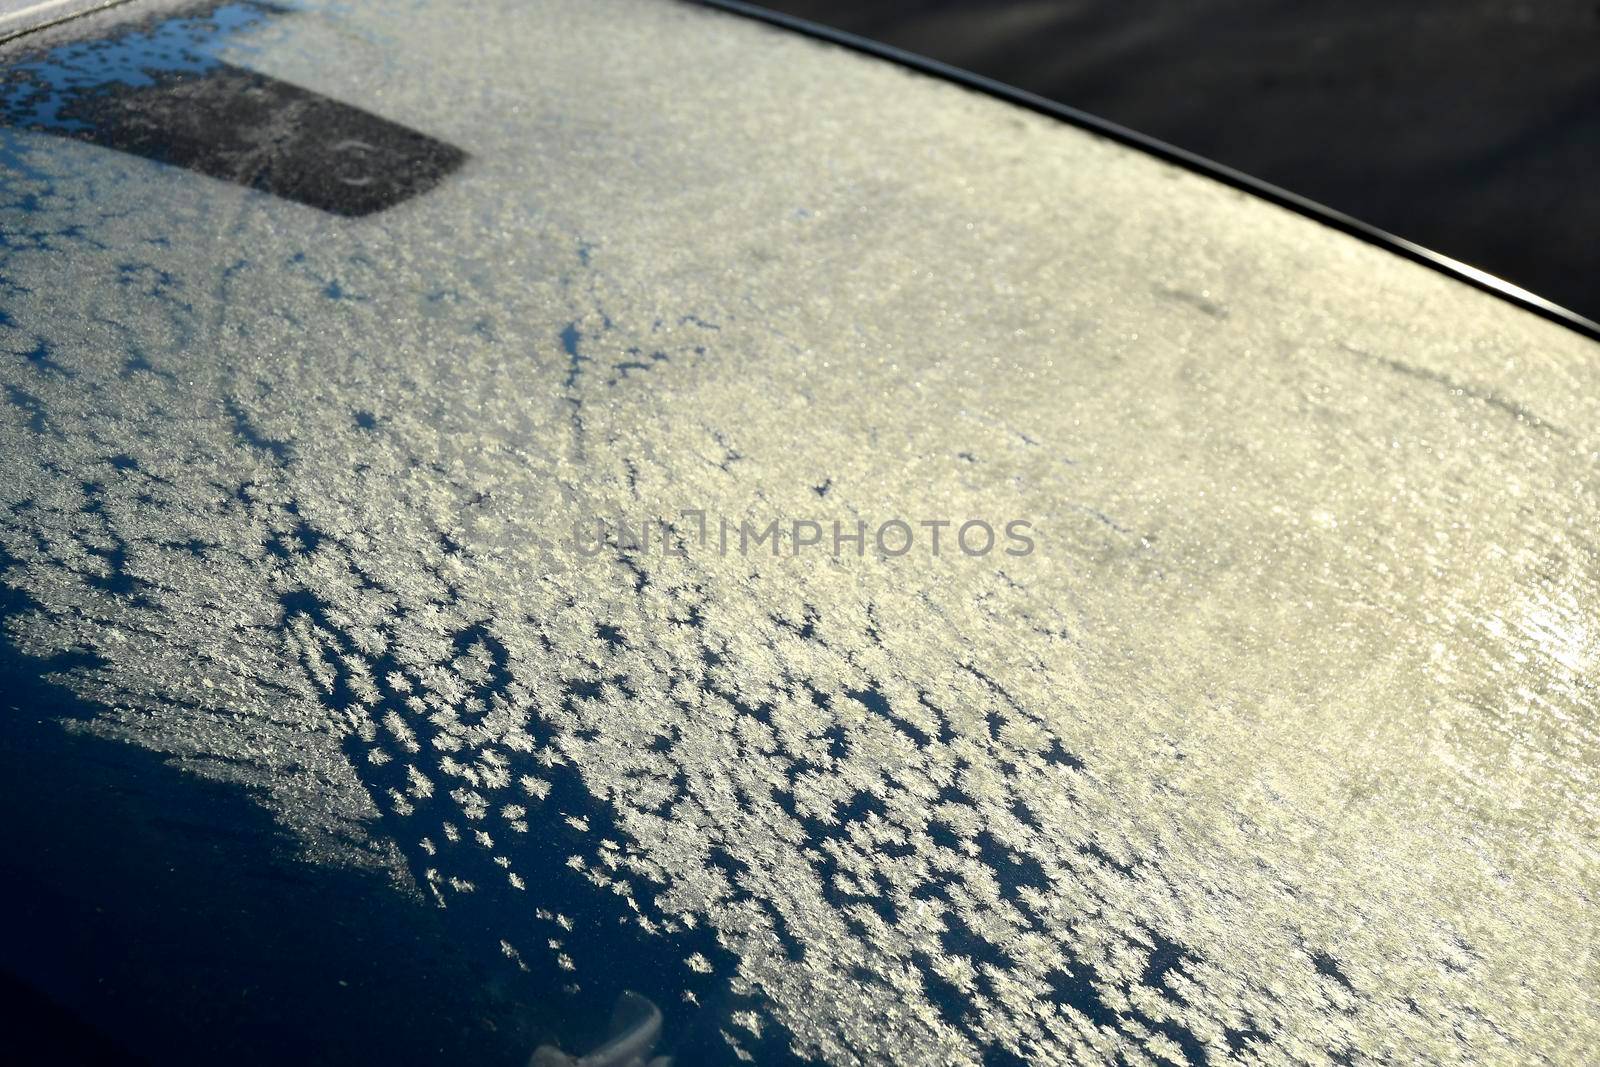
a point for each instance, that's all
(253, 130)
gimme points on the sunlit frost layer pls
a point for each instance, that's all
(1280, 746)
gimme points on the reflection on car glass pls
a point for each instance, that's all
(635, 1028)
(155, 89)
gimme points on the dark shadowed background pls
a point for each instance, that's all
(1470, 127)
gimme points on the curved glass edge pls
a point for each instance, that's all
(1475, 277)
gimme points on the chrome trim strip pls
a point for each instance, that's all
(16, 21)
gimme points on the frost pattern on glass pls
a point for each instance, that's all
(1281, 746)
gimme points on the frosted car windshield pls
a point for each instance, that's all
(612, 528)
